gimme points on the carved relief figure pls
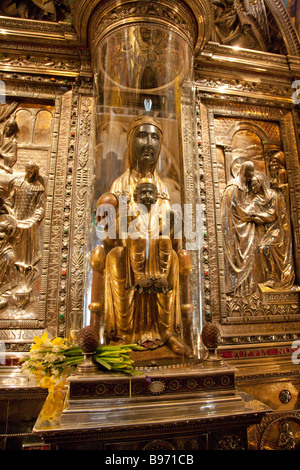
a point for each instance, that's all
(8, 279)
(257, 231)
(151, 317)
(49, 10)
(286, 438)
(277, 170)
(275, 246)
(238, 227)
(26, 204)
(233, 25)
(8, 146)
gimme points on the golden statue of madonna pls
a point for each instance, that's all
(138, 271)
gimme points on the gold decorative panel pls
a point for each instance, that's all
(23, 206)
(230, 135)
(49, 283)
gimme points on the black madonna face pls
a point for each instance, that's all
(145, 146)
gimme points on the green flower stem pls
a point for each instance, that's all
(111, 354)
(111, 358)
(103, 363)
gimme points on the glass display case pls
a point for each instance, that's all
(147, 290)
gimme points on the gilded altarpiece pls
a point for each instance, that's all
(231, 133)
(52, 136)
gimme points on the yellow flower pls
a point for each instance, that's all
(40, 341)
(60, 342)
(53, 407)
(47, 382)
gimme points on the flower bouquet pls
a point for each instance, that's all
(51, 361)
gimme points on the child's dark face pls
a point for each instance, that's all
(146, 194)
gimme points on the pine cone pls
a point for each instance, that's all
(88, 339)
(211, 335)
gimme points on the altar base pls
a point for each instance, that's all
(167, 409)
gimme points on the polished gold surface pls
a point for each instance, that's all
(272, 392)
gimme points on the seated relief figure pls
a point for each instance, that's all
(256, 229)
(140, 275)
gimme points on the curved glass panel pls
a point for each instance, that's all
(141, 288)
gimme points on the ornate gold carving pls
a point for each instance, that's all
(53, 305)
(7, 257)
(154, 49)
(237, 24)
(285, 396)
(138, 11)
(35, 31)
(230, 442)
(212, 280)
(245, 87)
(279, 431)
(8, 145)
(24, 200)
(159, 445)
(48, 64)
(257, 233)
(25, 204)
(284, 22)
(36, 10)
(191, 185)
(186, 18)
(82, 199)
